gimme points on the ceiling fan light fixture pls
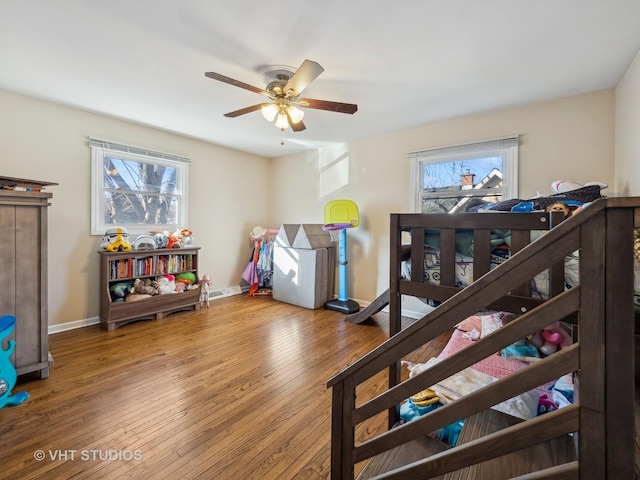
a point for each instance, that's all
(281, 121)
(284, 86)
(269, 112)
(295, 113)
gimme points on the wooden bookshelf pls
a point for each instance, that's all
(120, 267)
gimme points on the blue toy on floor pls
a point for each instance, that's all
(8, 375)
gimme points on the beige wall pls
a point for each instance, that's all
(627, 139)
(571, 138)
(45, 141)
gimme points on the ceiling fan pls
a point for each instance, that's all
(284, 86)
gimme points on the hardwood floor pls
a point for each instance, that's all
(236, 391)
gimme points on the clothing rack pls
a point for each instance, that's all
(259, 271)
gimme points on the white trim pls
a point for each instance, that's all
(465, 148)
(510, 172)
(504, 147)
(63, 327)
(414, 190)
(88, 322)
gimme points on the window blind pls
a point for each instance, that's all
(466, 148)
(94, 142)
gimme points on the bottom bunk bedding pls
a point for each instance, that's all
(464, 270)
(478, 326)
(545, 398)
(499, 254)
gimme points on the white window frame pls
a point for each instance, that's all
(101, 149)
(505, 147)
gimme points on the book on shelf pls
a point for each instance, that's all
(150, 266)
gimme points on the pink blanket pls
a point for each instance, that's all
(494, 365)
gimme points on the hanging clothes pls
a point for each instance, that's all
(259, 272)
(265, 263)
(250, 274)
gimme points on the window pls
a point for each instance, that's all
(135, 188)
(451, 179)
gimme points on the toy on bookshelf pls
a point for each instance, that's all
(181, 238)
(116, 239)
(145, 242)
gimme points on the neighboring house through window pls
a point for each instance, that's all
(452, 179)
(135, 188)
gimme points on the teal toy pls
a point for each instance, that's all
(8, 375)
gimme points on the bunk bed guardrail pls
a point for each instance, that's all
(601, 358)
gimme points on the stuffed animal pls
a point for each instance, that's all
(166, 239)
(161, 239)
(205, 287)
(559, 207)
(173, 241)
(188, 240)
(186, 237)
(145, 286)
(550, 339)
(166, 284)
(177, 239)
(119, 291)
(186, 277)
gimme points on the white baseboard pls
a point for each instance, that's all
(63, 327)
(87, 322)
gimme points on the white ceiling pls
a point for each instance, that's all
(404, 63)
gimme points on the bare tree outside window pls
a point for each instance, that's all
(140, 193)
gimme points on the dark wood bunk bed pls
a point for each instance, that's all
(598, 310)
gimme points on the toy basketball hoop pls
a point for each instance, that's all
(335, 229)
(340, 215)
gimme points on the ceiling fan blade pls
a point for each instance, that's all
(306, 74)
(327, 105)
(236, 83)
(296, 127)
(242, 111)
